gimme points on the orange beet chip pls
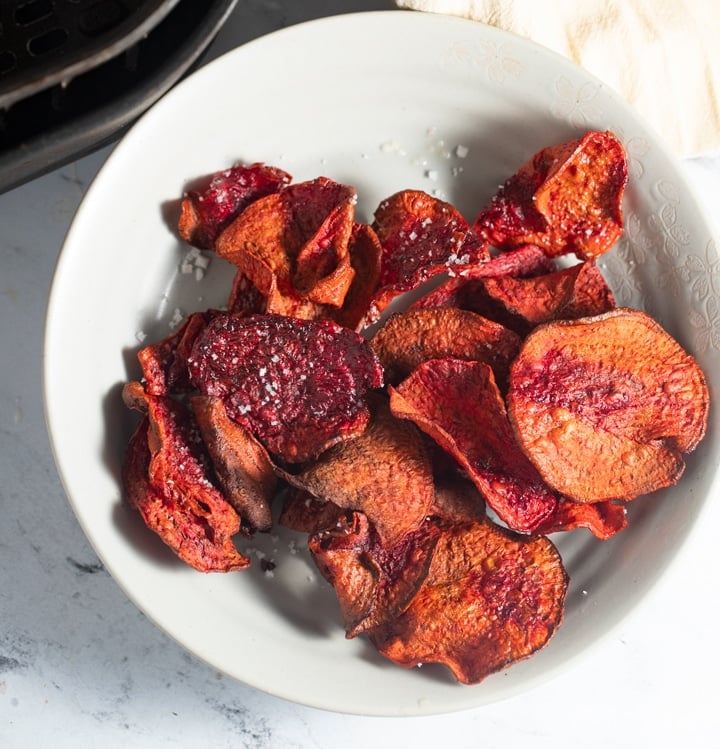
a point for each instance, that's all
(165, 476)
(385, 473)
(523, 303)
(293, 244)
(491, 598)
(421, 236)
(566, 199)
(412, 337)
(605, 406)
(602, 519)
(242, 465)
(365, 256)
(373, 582)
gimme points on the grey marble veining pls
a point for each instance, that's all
(80, 666)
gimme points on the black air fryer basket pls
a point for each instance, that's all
(74, 73)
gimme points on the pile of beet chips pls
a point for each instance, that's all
(426, 452)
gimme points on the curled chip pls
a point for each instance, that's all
(461, 290)
(365, 258)
(166, 478)
(242, 465)
(373, 582)
(458, 404)
(490, 598)
(164, 364)
(384, 473)
(523, 303)
(566, 199)
(421, 236)
(412, 337)
(299, 386)
(293, 245)
(206, 210)
(605, 406)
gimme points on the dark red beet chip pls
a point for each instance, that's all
(298, 385)
(207, 210)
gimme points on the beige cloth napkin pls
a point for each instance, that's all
(662, 56)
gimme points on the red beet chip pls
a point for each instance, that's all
(166, 477)
(421, 236)
(566, 199)
(458, 404)
(208, 209)
(298, 385)
(164, 364)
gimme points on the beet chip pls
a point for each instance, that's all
(207, 210)
(566, 199)
(241, 464)
(365, 257)
(605, 406)
(384, 473)
(293, 244)
(421, 236)
(410, 338)
(461, 290)
(164, 364)
(374, 583)
(165, 477)
(490, 598)
(299, 386)
(523, 303)
(458, 404)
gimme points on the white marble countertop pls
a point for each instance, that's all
(81, 666)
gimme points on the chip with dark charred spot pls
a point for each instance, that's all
(412, 337)
(490, 598)
(421, 236)
(605, 406)
(242, 466)
(385, 473)
(293, 245)
(373, 582)
(166, 478)
(566, 199)
(208, 208)
(298, 385)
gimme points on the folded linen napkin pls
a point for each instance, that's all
(662, 56)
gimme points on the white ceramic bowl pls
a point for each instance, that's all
(381, 101)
